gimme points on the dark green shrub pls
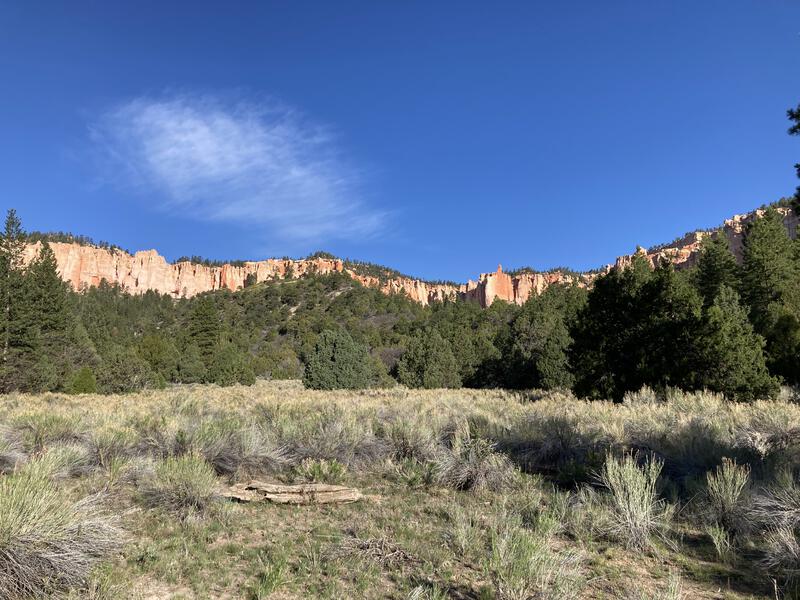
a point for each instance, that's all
(124, 371)
(82, 382)
(428, 363)
(230, 366)
(338, 362)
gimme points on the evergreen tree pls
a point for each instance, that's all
(664, 337)
(123, 370)
(19, 325)
(783, 345)
(541, 338)
(162, 355)
(49, 301)
(771, 289)
(50, 294)
(204, 328)
(428, 362)
(638, 328)
(603, 353)
(731, 354)
(770, 272)
(470, 334)
(337, 362)
(716, 267)
(190, 367)
(229, 366)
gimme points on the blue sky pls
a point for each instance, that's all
(436, 138)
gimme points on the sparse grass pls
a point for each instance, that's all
(468, 494)
(721, 538)
(673, 590)
(272, 577)
(524, 564)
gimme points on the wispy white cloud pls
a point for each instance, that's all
(259, 165)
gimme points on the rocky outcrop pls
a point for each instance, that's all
(684, 251)
(84, 266)
(517, 288)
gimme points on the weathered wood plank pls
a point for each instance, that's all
(307, 493)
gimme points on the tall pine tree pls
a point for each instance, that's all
(20, 339)
(730, 354)
(771, 289)
(769, 272)
(49, 301)
(604, 354)
(716, 267)
(204, 328)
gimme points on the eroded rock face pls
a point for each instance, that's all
(684, 252)
(516, 289)
(86, 266)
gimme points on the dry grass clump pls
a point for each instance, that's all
(337, 436)
(524, 565)
(423, 592)
(49, 543)
(673, 590)
(470, 463)
(726, 490)
(776, 510)
(107, 446)
(321, 471)
(184, 485)
(778, 505)
(464, 533)
(588, 514)
(158, 437)
(39, 430)
(239, 450)
(12, 453)
(64, 460)
(782, 552)
(409, 439)
(637, 512)
(646, 395)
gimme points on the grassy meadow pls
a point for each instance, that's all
(468, 494)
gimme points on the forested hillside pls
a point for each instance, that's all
(721, 326)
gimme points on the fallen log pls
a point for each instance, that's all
(306, 493)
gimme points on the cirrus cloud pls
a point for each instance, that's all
(252, 164)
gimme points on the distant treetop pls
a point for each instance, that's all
(199, 260)
(71, 238)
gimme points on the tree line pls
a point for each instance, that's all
(723, 326)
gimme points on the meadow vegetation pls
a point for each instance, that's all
(468, 494)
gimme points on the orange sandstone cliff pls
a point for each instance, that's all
(84, 266)
(684, 251)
